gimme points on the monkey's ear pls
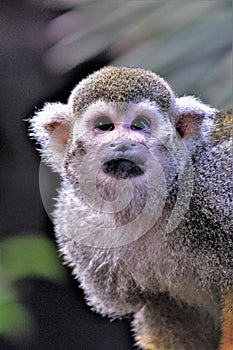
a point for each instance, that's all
(50, 127)
(192, 117)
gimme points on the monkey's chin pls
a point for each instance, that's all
(122, 169)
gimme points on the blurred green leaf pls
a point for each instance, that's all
(15, 322)
(20, 257)
(7, 293)
(30, 256)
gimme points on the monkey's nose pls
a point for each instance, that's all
(122, 146)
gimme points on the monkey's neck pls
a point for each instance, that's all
(143, 208)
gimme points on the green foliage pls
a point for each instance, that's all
(29, 256)
(20, 257)
(15, 321)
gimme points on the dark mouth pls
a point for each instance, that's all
(122, 168)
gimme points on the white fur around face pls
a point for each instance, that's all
(85, 123)
(122, 116)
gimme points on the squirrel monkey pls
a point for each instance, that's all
(143, 215)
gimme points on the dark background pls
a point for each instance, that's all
(63, 321)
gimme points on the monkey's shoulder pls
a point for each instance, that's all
(223, 126)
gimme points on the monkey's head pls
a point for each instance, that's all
(121, 123)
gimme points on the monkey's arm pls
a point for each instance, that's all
(164, 323)
(227, 322)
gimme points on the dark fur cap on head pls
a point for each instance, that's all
(121, 84)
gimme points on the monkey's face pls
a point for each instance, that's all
(117, 141)
(118, 154)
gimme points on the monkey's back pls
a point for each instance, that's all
(208, 224)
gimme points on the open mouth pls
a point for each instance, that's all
(122, 168)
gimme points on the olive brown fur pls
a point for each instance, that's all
(177, 282)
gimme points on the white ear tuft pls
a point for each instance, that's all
(192, 106)
(50, 127)
(51, 113)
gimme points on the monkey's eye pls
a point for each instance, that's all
(140, 123)
(104, 124)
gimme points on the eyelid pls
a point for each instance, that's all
(141, 123)
(105, 125)
(107, 119)
(142, 116)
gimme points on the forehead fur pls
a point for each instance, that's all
(123, 85)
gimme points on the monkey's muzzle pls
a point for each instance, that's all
(123, 159)
(122, 168)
